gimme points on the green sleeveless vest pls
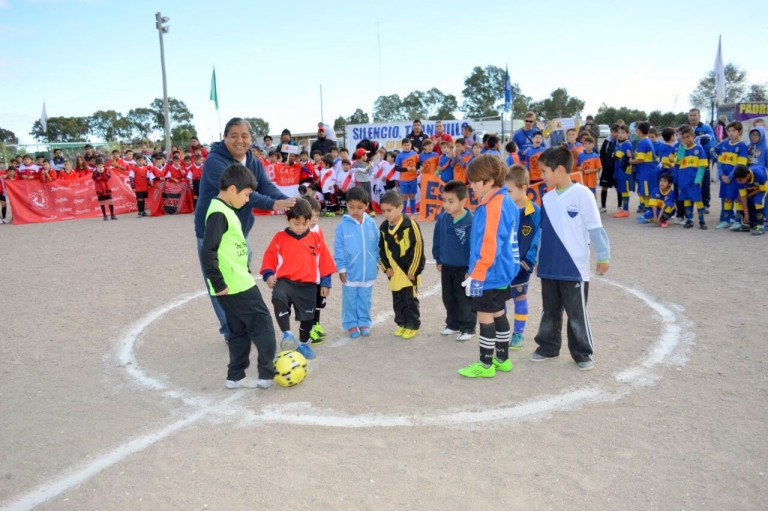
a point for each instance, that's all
(233, 252)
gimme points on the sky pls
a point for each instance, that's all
(81, 56)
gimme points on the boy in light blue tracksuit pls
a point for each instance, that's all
(356, 253)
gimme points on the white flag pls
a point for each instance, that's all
(44, 119)
(719, 75)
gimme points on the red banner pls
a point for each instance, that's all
(33, 201)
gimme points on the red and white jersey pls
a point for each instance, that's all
(140, 177)
(327, 179)
(345, 180)
(304, 258)
(195, 172)
(174, 172)
(28, 170)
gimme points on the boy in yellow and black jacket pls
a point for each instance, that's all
(401, 249)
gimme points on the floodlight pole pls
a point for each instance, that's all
(160, 21)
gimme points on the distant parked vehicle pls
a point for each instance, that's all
(605, 130)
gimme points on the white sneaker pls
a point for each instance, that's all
(245, 383)
(464, 336)
(264, 384)
(603, 210)
(449, 331)
(5, 221)
(680, 221)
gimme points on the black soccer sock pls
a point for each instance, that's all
(603, 197)
(112, 209)
(503, 335)
(5, 210)
(140, 204)
(317, 316)
(487, 343)
(103, 210)
(283, 315)
(619, 199)
(305, 327)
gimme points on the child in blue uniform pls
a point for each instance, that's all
(729, 153)
(528, 236)
(661, 206)
(752, 190)
(623, 170)
(642, 160)
(691, 163)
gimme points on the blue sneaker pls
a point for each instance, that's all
(306, 350)
(641, 220)
(516, 344)
(289, 342)
(354, 332)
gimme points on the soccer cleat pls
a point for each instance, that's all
(723, 225)
(516, 344)
(306, 350)
(365, 331)
(372, 214)
(400, 330)
(113, 217)
(144, 213)
(758, 230)
(585, 365)
(265, 384)
(603, 210)
(354, 332)
(663, 224)
(315, 338)
(318, 329)
(706, 210)
(140, 215)
(448, 331)
(640, 210)
(245, 383)
(478, 370)
(330, 214)
(680, 221)
(288, 343)
(642, 220)
(703, 226)
(538, 357)
(743, 228)
(106, 219)
(622, 214)
(504, 367)
(688, 224)
(410, 333)
(464, 336)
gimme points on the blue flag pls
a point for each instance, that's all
(507, 90)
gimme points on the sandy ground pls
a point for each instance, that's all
(673, 416)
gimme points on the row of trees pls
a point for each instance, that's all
(483, 95)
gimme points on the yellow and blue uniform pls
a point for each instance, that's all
(623, 171)
(690, 172)
(528, 238)
(666, 155)
(754, 191)
(664, 201)
(646, 171)
(728, 156)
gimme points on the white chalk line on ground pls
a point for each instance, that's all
(668, 343)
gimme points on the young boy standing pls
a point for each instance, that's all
(494, 261)
(729, 152)
(224, 257)
(570, 223)
(531, 157)
(356, 253)
(450, 248)
(607, 176)
(623, 170)
(406, 164)
(643, 161)
(528, 237)
(294, 264)
(461, 160)
(589, 163)
(101, 177)
(691, 163)
(401, 254)
(140, 177)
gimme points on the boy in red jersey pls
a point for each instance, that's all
(28, 170)
(194, 174)
(174, 172)
(68, 174)
(140, 175)
(294, 264)
(47, 174)
(101, 177)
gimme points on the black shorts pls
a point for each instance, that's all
(104, 196)
(2, 197)
(302, 295)
(142, 195)
(196, 188)
(607, 179)
(493, 300)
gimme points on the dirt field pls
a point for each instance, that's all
(112, 391)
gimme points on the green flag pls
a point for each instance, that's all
(214, 94)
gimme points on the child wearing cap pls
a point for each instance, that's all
(362, 169)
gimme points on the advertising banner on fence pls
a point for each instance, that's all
(390, 134)
(33, 201)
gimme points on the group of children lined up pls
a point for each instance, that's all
(668, 175)
(143, 172)
(484, 259)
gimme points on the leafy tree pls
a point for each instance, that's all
(756, 92)
(667, 119)
(181, 134)
(609, 115)
(339, 123)
(62, 129)
(359, 117)
(484, 94)
(110, 126)
(735, 87)
(177, 110)
(558, 104)
(7, 137)
(141, 122)
(259, 127)
(388, 109)
(432, 104)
